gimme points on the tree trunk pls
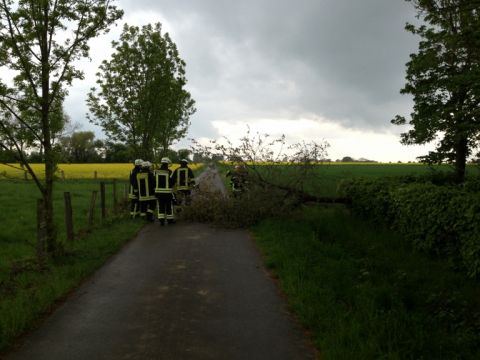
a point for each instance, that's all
(165, 149)
(49, 173)
(48, 199)
(461, 151)
(40, 152)
(47, 138)
(147, 151)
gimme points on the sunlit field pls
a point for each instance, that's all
(77, 171)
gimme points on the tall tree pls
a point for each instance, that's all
(81, 147)
(444, 79)
(39, 42)
(141, 99)
(117, 153)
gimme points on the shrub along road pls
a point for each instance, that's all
(185, 291)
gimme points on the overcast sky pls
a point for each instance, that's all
(311, 69)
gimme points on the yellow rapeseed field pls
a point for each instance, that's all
(77, 171)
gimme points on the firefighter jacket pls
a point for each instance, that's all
(146, 185)
(183, 178)
(163, 180)
(133, 185)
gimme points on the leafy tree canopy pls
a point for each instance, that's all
(81, 147)
(444, 79)
(141, 98)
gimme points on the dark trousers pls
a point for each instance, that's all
(147, 208)
(165, 206)
(134, 208)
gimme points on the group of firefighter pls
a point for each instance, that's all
(161, 192)
(154, 193)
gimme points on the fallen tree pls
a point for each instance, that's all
(279, 177)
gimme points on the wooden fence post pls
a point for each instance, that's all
(63, 174)
(102, 199)
(41, 225)
(95, 174)
(115, 205)
(91, 214)
(68, 215)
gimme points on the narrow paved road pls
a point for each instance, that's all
(184, 291)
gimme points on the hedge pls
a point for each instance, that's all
(438, 219)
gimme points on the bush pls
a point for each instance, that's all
(369, 198)
(438, 219)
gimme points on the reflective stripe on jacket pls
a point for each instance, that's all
(132, 194)
(132, 184)
(163, 181)
(145, 186)
(182, 179)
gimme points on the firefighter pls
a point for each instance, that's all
(238, 179)
(183, 181)
(133, 189)
(164, 192)
(146, 191)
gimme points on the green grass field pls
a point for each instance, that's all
(18, 213)
(363, 293)
(325, 178)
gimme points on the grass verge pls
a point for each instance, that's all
(29, 292)
(364, 294)
(18, 220)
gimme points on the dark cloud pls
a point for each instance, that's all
(343, 60)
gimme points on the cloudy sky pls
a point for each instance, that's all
(309, 69)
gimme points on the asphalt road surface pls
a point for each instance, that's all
(183, 291)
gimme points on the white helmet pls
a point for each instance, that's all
(138, 162)
(184, 161)
(165, 160)
(146, 164)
